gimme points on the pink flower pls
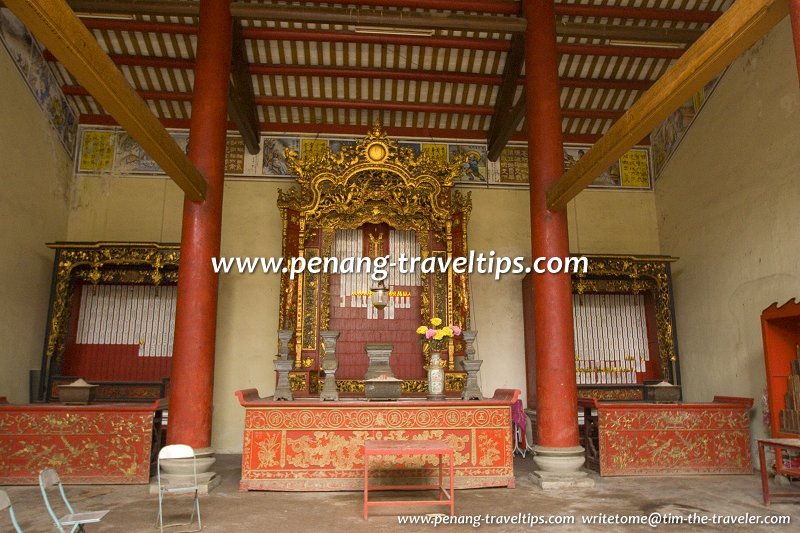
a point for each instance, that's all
(456, 330)
(430, 333)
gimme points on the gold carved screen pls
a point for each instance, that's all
(372, 184)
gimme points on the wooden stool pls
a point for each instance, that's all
(415, 447)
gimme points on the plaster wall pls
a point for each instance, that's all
(727, 205)
(35, 171)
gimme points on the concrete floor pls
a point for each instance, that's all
(226, 509)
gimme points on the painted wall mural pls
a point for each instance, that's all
(111, 150)
(27, 55)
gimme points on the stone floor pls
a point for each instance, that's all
(226, 509)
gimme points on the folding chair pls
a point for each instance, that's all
(178, 451)
(49, 478)
(5, 503)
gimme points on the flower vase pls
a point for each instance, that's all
(436, 376)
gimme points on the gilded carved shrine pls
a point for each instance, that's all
(374, 198)
(117, 277)
(623, 318)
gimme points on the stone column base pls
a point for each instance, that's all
(560, 468)
(572, 480)
(182, 472)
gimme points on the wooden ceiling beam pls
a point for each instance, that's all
(731, 35)
(379, 18)
(328, 103)
(371, 73)
(507, 130)
(605, 83)
(637, 13)
(594, 30)
(241, 105)
(496, 7)
(269, 34)
(590, 30)
(504, 102)
(54, 24)
(618, 51)
(356, 130)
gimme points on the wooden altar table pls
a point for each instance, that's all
(647, 439)
(384, 448)
(309, 445)
(86, 444)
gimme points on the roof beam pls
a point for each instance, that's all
(355, 130)
(502, 118)
(379, 18)
(497, 7)
(56, 26)
(593, 30)
(622, 85)
(623, 51)
(373, 73)
(241, 106)
(735, 31)
(325, 15)
(500, 137)
(643, 13)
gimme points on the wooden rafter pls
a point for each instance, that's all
(241, 105)
(733, 33)
(56, 26)
(502, 117)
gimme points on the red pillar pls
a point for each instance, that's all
(794, 15)
(192, 377)
(556, 391)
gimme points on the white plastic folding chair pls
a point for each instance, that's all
(178, 451)
(75, 521)
(5, 503)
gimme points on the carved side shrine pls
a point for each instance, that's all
(371, 199)
(624, 328)
(111, 319)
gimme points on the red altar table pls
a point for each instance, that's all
(309, 445)
(644, 439)
(86, 444)
(384, 448)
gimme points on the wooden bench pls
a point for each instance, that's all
(400, 448)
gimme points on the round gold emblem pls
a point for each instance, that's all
(376, 152)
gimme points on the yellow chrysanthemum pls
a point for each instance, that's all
(436, 321)
(439, 335)
(447, 331)
(422, 329)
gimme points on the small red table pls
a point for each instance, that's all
(416, 447)
(778, 445)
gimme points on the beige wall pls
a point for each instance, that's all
(729, 207)
(111, 208)
(35, 171)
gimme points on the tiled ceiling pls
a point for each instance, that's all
(327, 78)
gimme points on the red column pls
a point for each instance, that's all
(556, 392)
(794, 15)
(192, 377)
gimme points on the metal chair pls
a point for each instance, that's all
(5, 503)
(49, 478)
(178, 451)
